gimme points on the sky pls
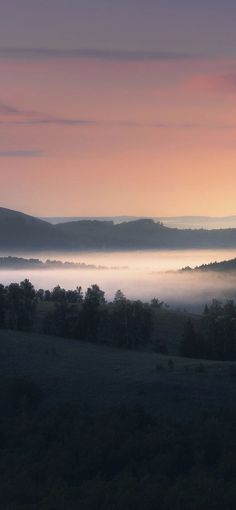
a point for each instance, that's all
(118, 107)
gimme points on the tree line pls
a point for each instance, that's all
(215, 337)
(121, 322)
(70, 313)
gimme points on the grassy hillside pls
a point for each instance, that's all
(77, 372)
(95, 428)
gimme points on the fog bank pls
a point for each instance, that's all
(149, 274)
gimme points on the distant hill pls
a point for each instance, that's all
(20, 231)
(23, 263)
(143, 234)
(224, 266)
(199, 222)
(54, 220)
(181, 222)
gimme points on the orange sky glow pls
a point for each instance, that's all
(134, 136)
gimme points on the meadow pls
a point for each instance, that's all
(92, 427)
(107, 415)
(80, 372)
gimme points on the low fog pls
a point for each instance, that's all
(140, 275)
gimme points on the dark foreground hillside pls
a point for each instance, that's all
(94, 428)
(72, 371)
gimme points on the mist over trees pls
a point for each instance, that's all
(122, 323)
(223, 266)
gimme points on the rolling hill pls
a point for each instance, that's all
(18, 230)
(225, 266)
(181, 222)
(74, 371)
(142, 234)
(24, 232)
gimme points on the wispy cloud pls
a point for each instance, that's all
(51, 121)
(13, 115)
(93, 54)
(22, 154)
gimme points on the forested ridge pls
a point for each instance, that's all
(21, 231)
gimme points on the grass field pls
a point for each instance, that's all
(77, 372)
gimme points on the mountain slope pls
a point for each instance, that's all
(143, 234)
(180, 222)
(18, 230)
(24, 232)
